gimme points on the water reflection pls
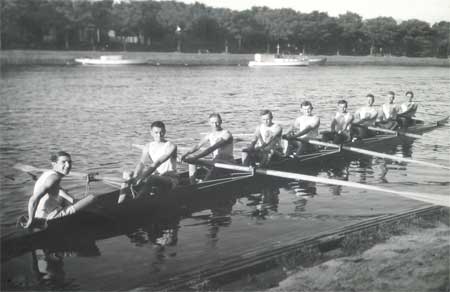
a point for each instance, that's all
(265, 203)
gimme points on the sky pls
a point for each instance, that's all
(430, 11)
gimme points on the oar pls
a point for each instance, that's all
(429, 114)
(30, 168)
(374, 153)
(400, 133)
(429, 198)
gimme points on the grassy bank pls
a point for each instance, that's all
(31, 57)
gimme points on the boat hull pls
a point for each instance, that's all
(194, 197)
(110, 61)
(279, 63)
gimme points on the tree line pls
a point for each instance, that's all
(170, 25)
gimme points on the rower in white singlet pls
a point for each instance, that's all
(157, 167)
(266, 143)
(407, 111)
(305, 127)
(49, 200)
(365, 116)
(388, 115)
(220, 143)
(340, 125)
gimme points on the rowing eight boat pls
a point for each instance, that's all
(240, 181)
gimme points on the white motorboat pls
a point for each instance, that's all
(110, 60)
(284, 61)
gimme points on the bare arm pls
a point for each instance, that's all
(309, 128)
(142, 161)
(349, 122)
(225, 139)
(170, 151)
(333, 124)
(62, 193)
(202, 142)
(256, 137)
(273, 138)
(51, 182)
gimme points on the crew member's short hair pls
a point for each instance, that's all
(342, 101)
(306, 103)
(370, 95)
(391, 93)
(54, 156)
(158, 124)
(217, 115)
(266, 112)
(409, 92)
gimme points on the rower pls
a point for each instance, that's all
(266, 143)
(157, 165)
(305, 127)
(407, 111)
(364, 117)
(220, 145)
(49, 200)
(340, 125)
(388, 116)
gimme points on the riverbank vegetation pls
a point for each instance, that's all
(174, 26)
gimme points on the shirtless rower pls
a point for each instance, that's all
(266, 143)
(365, 116)
(306, 127)
(340, 125)
(388, 115)
(49, 200)
(157, 165)
(220, 145)
(407, 111)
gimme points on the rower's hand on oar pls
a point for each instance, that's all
(287, 137)
(190, 159)
(91, 177)
(25, 222)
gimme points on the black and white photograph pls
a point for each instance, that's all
(253, 145)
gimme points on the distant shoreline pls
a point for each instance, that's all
(40, 57)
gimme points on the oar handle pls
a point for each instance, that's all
(318, 143)
(395, 132)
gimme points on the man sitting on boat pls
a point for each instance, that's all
(340, 125)
(220, 145)
(49, 200)
(387, 118)
(266, 142)
(365, 116)
(305, 127)
(157, 166)
(407, 111)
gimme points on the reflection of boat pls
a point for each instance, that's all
(317, 61)
(284, 61)
(110, 60)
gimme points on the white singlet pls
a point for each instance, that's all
(266, 133)
(49, 205)
(225, 152)
(168, 166)
(303, 122)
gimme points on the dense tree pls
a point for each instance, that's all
(351, 37)
(382, 33)
(441, 44)
(416, 38)
(166, 25)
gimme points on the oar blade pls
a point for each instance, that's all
(26, 168)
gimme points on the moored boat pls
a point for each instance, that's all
(110, 60)
(262, 60)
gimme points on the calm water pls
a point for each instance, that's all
(96, 113)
